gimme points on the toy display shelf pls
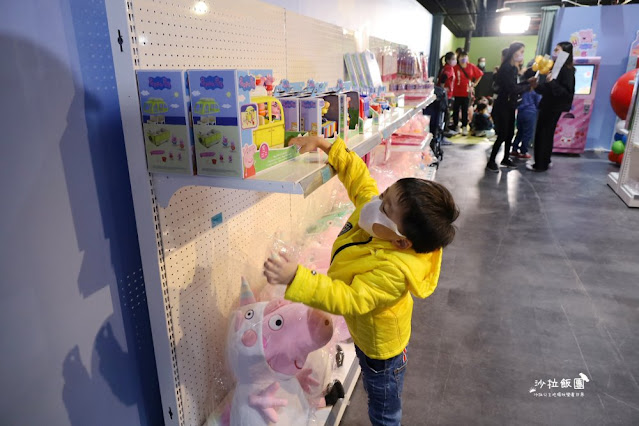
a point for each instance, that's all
(301, 175)
(400, 116)
(625, 183)
(628, 192)
(348, 375)
(414, 95)
(403, 147)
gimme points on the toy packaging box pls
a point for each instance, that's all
(291, 106)
(311, 115)
(164, 103)
(337, 112)
(239, 129)
(287, 93)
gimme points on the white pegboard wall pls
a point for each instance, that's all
(315, 49)
(204, 265)
(201, 265)
(226, 34)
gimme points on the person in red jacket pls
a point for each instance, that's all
(467, 76)
(446, 77)
(446, 80)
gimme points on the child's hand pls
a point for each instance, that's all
(534, 82)
(310, 143)
(279, 269)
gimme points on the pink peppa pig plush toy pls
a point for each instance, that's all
(268, 344)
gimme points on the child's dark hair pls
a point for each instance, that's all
(429, 213)
(447, 57)
(481, 107)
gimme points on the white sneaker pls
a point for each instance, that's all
(464, 131)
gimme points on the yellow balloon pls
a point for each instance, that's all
(535, 67)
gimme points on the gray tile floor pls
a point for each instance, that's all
(542, 282)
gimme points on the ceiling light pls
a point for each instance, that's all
(514, 24)
(200, 8)
(503, 9)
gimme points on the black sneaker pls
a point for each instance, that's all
(509, 163)
(492, 166)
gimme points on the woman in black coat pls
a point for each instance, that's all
(508, 92)
(556, 98)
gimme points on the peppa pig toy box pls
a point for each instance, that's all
(238, 127)
(164, 103)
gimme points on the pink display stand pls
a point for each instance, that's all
(572, 128)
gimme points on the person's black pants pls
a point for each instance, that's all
(463, 104)
(504, 118)
(544, 136)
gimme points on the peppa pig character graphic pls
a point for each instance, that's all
(565, 141)
(276, 111)
(225, 142)
(181, 144)
(230, 158)
(221, 158)
(268, 344)
(248, 158)
(232, 146)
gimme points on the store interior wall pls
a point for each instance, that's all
(490, 48)
(400, 21)
(615, 28)
(449, 41)
(76, 332)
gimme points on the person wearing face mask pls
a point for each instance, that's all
(389, 251)
(467, 75)
(446, 79)
(481, 64)
(556, 97)
(509, 90)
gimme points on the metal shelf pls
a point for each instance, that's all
(301, 175)
(412, 148)
(348, 375)
(400, 116)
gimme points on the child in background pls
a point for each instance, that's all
(389, 251)
(482, 124)
(526, 120)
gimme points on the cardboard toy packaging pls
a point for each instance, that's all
(164, 103)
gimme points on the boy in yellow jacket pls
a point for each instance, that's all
(390, 247)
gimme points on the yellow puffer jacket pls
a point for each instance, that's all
(370, 281)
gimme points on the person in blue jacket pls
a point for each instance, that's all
(526, 121)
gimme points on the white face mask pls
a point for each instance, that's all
(518, 57)
(482, 64)
(452, 62)
(371, 213)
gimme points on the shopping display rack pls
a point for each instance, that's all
(626, 182)
(198, 235)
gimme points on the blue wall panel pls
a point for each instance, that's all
(616, 28)
(76, 329)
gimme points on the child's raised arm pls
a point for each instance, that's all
(351, 169)
(379, 287)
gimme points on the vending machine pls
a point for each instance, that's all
(572, 128)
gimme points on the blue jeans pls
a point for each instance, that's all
(383, 382)
(525, 131)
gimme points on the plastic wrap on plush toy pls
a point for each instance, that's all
(268, 347)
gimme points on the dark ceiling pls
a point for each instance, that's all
(481, 16)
